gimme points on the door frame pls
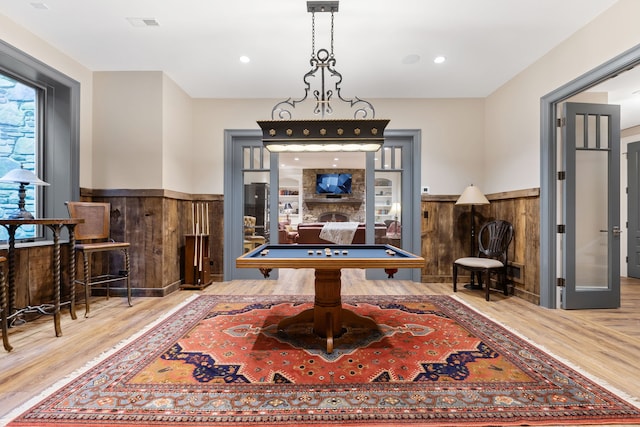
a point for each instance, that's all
(549, 170)
(231, 202)
(633, 214)
(410, 140)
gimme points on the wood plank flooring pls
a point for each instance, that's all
(603, 343)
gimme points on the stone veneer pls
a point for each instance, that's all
(351, 205)
(17, 146)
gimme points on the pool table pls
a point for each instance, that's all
(327, 315)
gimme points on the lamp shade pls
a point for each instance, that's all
(22, 176)
(395, 209)
(472, 196)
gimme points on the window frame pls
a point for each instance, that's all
(59, 155)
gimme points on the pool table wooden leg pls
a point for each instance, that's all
(327, 314)
(305, 316)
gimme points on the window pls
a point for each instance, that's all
(19, 142)
(54, 144)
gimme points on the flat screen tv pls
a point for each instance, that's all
(333, 183)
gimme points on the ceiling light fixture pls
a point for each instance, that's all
(362, 133)
(439, 59)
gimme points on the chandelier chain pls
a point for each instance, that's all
(313, 35)
(332, 33)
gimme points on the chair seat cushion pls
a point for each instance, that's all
(101, 246)
(474, 262)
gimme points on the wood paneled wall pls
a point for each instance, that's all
(155, 222)
(33, 275)
(446, 232)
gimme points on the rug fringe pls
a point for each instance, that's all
(95, 361)
(621, 394)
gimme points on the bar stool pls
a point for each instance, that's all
(93, 236)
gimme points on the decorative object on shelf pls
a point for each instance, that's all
(287, 209)
(23, 177)
(362, 133)
(472, 196)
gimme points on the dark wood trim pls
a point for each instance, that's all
(140, 193)
(516, 194)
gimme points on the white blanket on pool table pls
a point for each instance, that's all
(339, 232)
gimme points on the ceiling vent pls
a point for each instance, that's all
(143, 22)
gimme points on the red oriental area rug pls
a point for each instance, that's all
(220, 361)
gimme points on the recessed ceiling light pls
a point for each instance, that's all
(245, 59)
(439, 59)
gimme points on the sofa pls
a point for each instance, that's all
(309, 233)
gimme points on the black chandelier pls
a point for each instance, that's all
(361, 133)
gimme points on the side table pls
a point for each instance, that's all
(9, 309)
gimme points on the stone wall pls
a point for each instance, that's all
(17, 146)
(352, 205)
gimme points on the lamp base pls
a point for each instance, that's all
(472, 286)
(20, 214)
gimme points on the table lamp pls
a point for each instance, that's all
(23, 177)
(287, 210)
(395, 211)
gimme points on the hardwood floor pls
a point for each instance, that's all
(603, 343)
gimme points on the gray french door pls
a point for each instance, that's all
(393, 197)
(633, 209)
(591, 205)
(247, 188)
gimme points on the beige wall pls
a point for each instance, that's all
(513, 112)
(492, 142)
(178, 148)
(128, 126)
(451, 132)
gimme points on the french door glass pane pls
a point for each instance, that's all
(592, 235)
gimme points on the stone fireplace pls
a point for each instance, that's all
(333, 217)
(320, 208)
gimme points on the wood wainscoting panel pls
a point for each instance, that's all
(155, 223)
(446, 235)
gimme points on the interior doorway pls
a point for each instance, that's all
(248, 164)
(550, 262)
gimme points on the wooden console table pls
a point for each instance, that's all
(8, 308)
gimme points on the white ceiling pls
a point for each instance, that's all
(198, 42)
(384, 49)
